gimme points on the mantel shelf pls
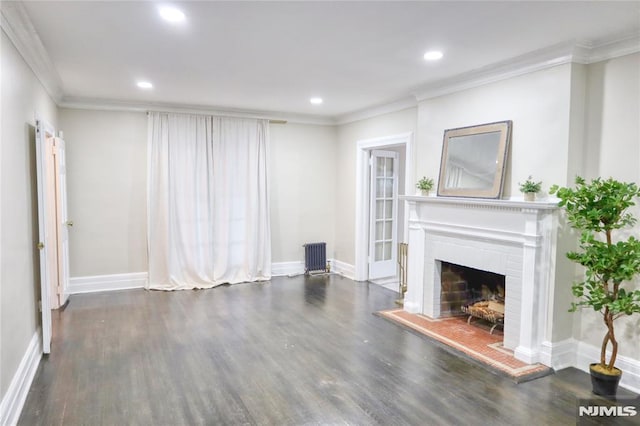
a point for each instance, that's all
(551, 204)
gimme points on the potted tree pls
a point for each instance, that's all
(425, 185)
(597, 209)
(530, 188)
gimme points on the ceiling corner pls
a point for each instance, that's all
(622, 45)
(18, 26)
(387, 108)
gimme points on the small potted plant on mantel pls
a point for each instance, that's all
(425, 185)
(597, 209)
(530, 188)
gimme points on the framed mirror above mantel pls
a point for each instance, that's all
(474, 160)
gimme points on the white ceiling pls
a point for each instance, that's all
(273, 56)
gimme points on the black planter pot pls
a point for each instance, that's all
(604, 384)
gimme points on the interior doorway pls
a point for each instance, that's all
(377, 206)
(53, 225)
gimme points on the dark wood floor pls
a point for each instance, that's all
(292, 351)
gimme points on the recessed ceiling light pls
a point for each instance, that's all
(433, 55)
(171, 14)
(316, 101)
(144, 85)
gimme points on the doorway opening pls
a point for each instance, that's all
(381, 221)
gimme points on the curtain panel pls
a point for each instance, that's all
(208, 201)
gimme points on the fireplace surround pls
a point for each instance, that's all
(508, 237)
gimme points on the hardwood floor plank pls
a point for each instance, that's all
(293, 351)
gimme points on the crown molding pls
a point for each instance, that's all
(399, 105)
(18, 26)
(115, 105)
(531, 62)
(623, 45)
(580, 52)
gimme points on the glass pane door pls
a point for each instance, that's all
(384, 200)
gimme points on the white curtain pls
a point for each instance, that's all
(454, 176)
(208, 201)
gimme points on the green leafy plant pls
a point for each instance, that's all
(530, 185)
(425, 184)
(596, 209)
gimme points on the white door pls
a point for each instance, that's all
(63, 223)
(383, 212)
(46, 235)
(53, 225)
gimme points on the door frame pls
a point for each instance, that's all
(363, 151)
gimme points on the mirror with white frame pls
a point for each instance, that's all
(474, 160)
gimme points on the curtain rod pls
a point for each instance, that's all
(271, 121)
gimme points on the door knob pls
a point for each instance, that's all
(69, 223)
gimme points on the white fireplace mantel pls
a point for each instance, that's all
(513, 238)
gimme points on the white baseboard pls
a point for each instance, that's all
(96, 283)
(14, 399)
(92, 284)
(345, 269)
(559, 355)
(280, 269)
(588, 354)
(386, 281)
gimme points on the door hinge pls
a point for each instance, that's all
(60, 290)
(40, 305)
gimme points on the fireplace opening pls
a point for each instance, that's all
(469, 291)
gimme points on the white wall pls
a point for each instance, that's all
(613, 144)
(540, 106)
(567, 120)
(22, 96)
(106, 185)
(107, 164)
(537, 103)
(303, 180)
(345, 189)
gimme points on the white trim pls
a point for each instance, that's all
(531, 62)
(20, 30)
(16, 395)
(92, 284)
(280, 269)
(588, 354)
(515, 204)
(584, 52)
(614, 48)
(363, 147)
(558, 355)
(345, 269)
(565, 53)
(388, 108)
(18, 26)
(113, 105)
(96, 283)
(477, 233)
